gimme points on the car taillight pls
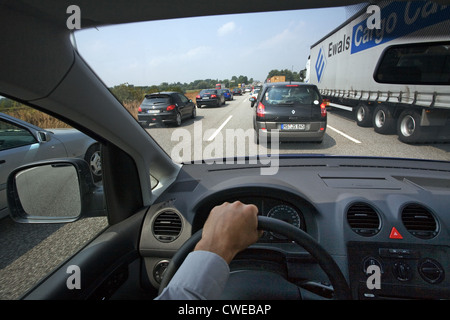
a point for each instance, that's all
(171, 107)
(323, 110)
(260, 110)
(140, 109)
(198, 97)
(213, 96)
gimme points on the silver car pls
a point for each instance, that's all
(22, 143)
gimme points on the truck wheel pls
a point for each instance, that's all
(383, 121)
(363, 115)
(408, 127)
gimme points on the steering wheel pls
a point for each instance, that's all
(323, 258)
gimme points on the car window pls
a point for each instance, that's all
(29, 252)
(415, 63)
(13, 136)
(183, 98)
(291, 95)
(209, 91)
(151, 100)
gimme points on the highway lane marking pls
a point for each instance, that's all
(343, 134)
(220, 128)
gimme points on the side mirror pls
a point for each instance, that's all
(55, 191)
(44, 136)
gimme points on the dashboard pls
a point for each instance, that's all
(367, 213)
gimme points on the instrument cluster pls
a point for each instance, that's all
(277, 209)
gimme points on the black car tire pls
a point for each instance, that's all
(93, 158)
(194, 112)
(178, 119)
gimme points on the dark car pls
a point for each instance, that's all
(165, 107)
(295, 110)
(210, 97)
(237, 91)
(227, 94)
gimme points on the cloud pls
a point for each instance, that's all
(227, 28)
(197, 52)
(172, 58)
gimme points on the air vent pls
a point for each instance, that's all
(431, 271)
(167, 226)
(419, 221)
(363, 219)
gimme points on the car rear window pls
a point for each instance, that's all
(213, 91)
(151, 100)
(295, 94)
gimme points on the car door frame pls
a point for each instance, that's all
(110, 265)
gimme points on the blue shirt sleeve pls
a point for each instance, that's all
(201, 276)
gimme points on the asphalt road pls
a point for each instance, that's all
(214, 126)
(29, 252)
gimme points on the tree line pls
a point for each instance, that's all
(289, 75)
(126, 92)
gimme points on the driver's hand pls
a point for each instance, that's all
(229, 229)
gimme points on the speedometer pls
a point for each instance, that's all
(287, 214)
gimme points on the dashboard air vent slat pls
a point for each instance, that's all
(419, 221)
(363, 219)
(167, 226)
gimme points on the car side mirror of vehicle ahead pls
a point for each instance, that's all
(44, 136)
(55, 191)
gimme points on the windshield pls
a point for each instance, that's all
(335, 50)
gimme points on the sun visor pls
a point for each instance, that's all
(35, 54)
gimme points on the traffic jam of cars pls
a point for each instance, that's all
(294, 111)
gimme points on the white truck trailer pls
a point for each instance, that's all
(394, 76)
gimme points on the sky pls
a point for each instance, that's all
(214, 47)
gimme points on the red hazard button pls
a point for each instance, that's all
(395, 234)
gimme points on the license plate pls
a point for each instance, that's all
(205, 97)
(293, 126)
(152, 111)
